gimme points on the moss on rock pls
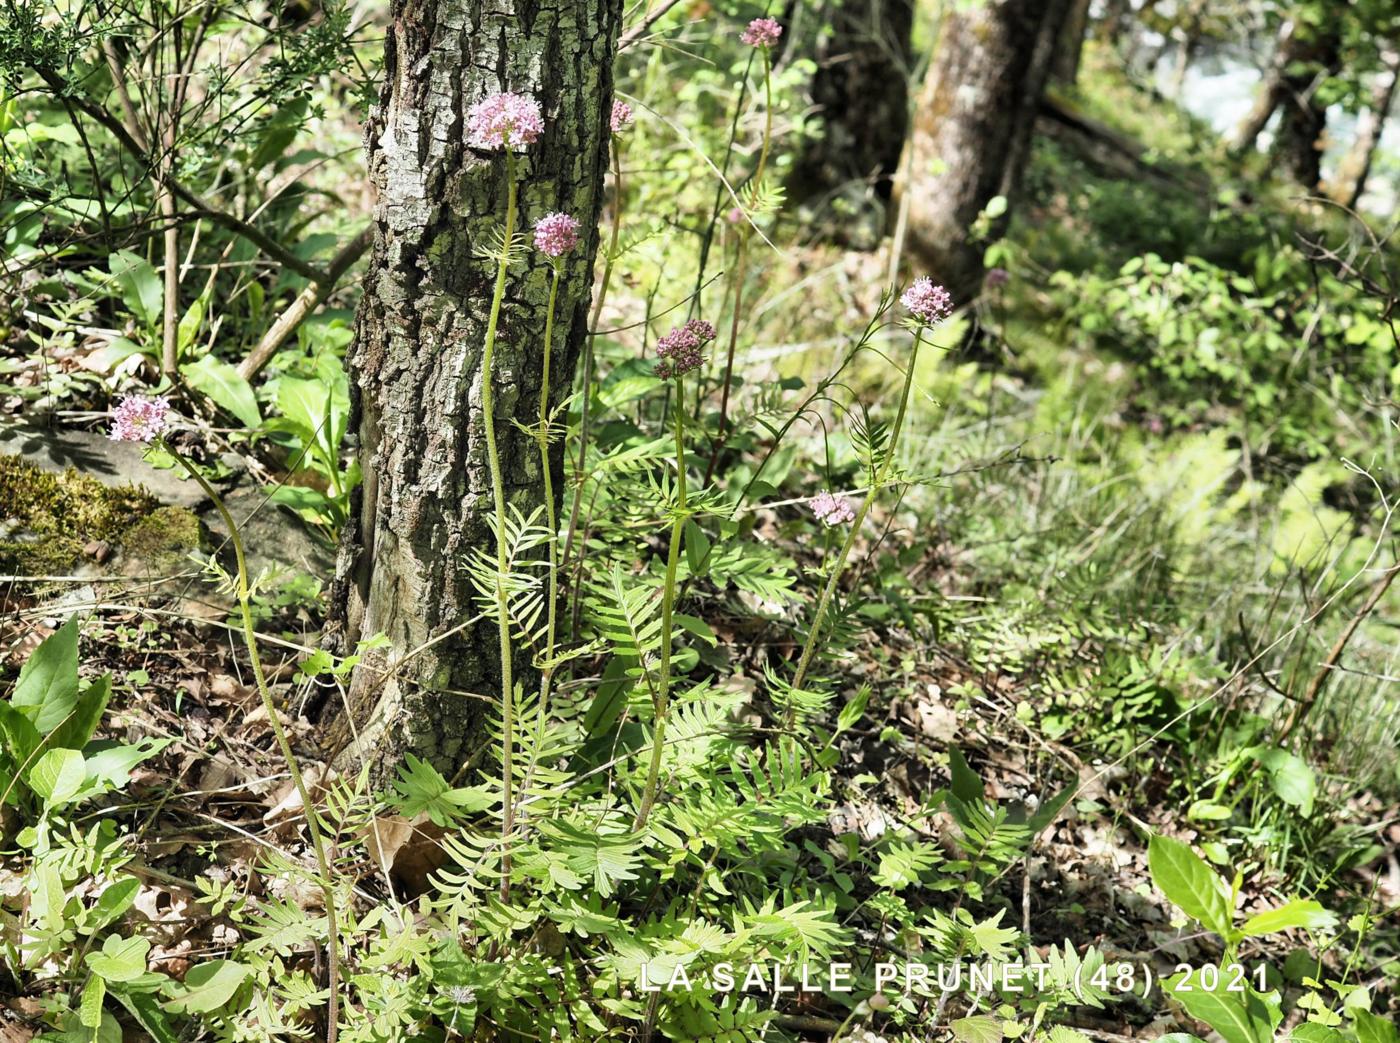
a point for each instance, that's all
(46, 519)
(160, 542)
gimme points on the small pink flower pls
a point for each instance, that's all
(927, 302)
(679, 350)
(621, 116)
(735, 215)
(504, 120)
(762, 32)
(556, 234)
(833, 510)
(139, 419)
(997, 277)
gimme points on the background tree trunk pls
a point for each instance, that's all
(861, 93)
(415, 367)
(1071, 43)
(1303, 118)
(1271, 91)
(972, 129)
(1350, 182)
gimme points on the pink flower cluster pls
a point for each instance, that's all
(927, 302)
(834, 510)
(621, 117)
(139, 419)
(762, 32)
(556, 234)
(679, 350)
(504, 120)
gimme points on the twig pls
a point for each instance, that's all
(639, 30)
(258, 238)
(306, 302)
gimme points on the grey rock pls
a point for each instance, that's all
(111, 463)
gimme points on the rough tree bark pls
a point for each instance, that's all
(415, 368)
(861, 94)
(972, 129)
(1303, 117)
(1355, 167)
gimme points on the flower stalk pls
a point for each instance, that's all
(668, 604)
(551, 512)
(741, 259)
(498, 498)
(243, 592)
(880, 477)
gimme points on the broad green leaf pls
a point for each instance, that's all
(854, 708)
(209, 986)
(221, 382)
(138, 284)
(609, 698)
(317, 408)
(1237, 1017)
(148, 1014)
(121, 959)
(1290, 777)
(1050, 810)
(697, 549)
(109, 766)
(47, 688)
(58, 776)
(1373, 1029)
(90, 1007)
(193, 319)
(113, 902)
(18, 734)
(1312, 1032)
(1189, 883)
(1297, 913)
(77, 730)
(980, 1028)
(967, 786)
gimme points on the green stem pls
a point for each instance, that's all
(588, 369)
(767, 119)
(875, 487)
(551, 513)
(498, 496)
(668, 603)
(740, 266)
(293, 768)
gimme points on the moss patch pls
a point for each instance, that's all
(46, 519)
(160, 542)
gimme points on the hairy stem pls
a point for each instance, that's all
(318, 844)
(668, 604)
(551, 514)
(588, 375)
(740, 266)
(875, 487)
(498, 496)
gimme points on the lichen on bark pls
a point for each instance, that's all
(416, 362)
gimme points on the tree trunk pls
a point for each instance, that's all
(1271, 91)
(1303, 118)
(861, 95)
(972, 129)
(1355, 167)
(1071, 43)
(415, 368)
